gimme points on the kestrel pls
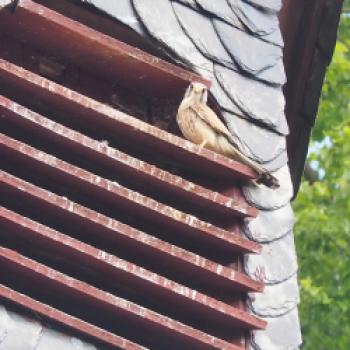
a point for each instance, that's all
(199, 124)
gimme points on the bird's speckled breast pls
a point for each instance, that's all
(194, 129)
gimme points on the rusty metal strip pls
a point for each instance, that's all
(120, 125)
(116, 306)
(116, 269)
(167, 218)
(158, 250)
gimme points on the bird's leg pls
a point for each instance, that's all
(203, 144)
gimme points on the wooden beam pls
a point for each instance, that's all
(174, 222)
(88, 48)
(210, 203)
(116, 271)
(143, 248)
(121, 126)
(123, 315)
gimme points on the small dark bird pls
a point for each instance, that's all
(199, 124)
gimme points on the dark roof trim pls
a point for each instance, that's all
(310, 31)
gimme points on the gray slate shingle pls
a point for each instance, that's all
(266, 198)
(122, 10)
(169, 33)
(277, 299)
(270, 225)
(254, 98)
(249, 138)
(240, 46)
(19, 332)
(200, 30)
(267, 5)
(276, 263)
(282, 333)
(256, 21)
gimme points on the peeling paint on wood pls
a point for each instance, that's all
(144, 207)
(182, 188)
(123, 125)
(158, 249)
(130, 274)
(117, 306)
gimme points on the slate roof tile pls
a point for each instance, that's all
(256, 21)
(4, 322)
(270, 225)
(277, 163)
(274, 75)
(122, 10)
(250, 137)
(191, 3)
(276, 263)
(22, 332)
(266, 198)
(282, 333)
(169, 33)
(52, 339)
(267, 5)
(223, 99)
(277, 299)
(19, 331)
(240, 46)
(200, 29)
(221, 9)
(254, 98)
(275, 38)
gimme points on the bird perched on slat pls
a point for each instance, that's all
(199, 124)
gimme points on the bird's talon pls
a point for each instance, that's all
(203, 144)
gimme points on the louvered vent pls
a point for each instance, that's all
(109, 225)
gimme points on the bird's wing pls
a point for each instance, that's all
(210, 118)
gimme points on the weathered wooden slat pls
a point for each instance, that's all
(86, 47)
(152, 250)
(116, 270)
(4, 3)
(114, 195)
(133, 316)
(115, 161)
(69, 321)
(121, 126)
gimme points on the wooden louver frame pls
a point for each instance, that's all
(194, 279)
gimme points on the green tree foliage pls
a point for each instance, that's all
(323, 212)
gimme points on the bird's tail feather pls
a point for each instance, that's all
(265, 176)
(268, 180)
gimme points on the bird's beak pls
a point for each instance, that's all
(197, 90)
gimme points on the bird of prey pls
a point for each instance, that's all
(199, 124)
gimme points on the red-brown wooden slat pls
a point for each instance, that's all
(117, 161)
(156, 250)
(113, 194)
(130, 275)
(121, 126)
(135, 316)
(86, 47)
(69, 321)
